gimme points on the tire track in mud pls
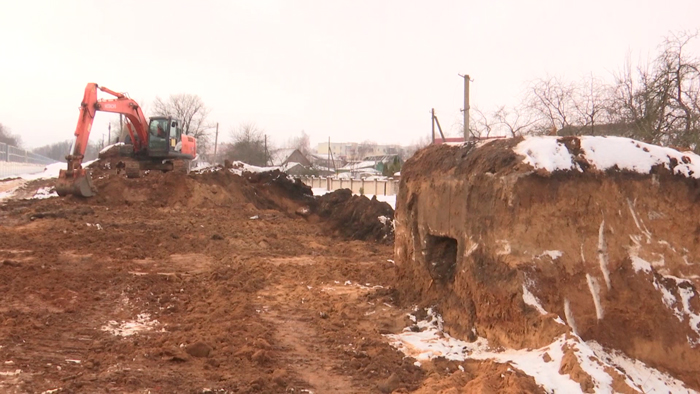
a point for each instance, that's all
(328, 322)
(311, 361)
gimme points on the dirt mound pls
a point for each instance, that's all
(213, 187)
(357, 217)
(352, 217)
(521, 253)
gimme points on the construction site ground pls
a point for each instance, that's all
(112, 295)
(537, 264)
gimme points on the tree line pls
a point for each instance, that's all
(656, 102)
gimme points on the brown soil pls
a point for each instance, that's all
(473, 225)
(249, 296)
(357, 217)
(248, 284)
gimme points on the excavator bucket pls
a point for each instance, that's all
(79, 183)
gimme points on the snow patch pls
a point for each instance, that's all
(108, 147)
(546, 153)
(603, 254)
(595, 293)
(638, 222)
(11, 373)
(143, 322)
(531, 300)
(44, 192)
(553, 254)
(569, 316)
(319, 191)
(429, 341)
(606, 152)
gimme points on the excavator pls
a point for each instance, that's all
(151, 144)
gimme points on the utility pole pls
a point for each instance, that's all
(109, 133)
(216, 139)
(465, 110)
(432, 121)
(266, 154)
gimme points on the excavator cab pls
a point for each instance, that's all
(164, 136)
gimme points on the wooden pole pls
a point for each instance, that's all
(216, 140)
(432, 121)
(465, 110)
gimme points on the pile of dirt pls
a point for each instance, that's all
(212, 187)
(348, 216)
(357, 217)
(520, 255)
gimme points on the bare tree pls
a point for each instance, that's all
(364, 148)
(191, 111)
(482, 125)
(553, 101)
(515, 122)
(8, 138)
(249, 145)
(591, 102)
(660, 102)
(300, 142)
(59, 150)
(415, 146)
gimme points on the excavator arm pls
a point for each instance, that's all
(75, 180)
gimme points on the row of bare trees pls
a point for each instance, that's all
(656, 102)
(7, 137)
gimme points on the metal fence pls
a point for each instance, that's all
(18, 155)
(16, 161)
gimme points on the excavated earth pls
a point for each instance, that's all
(236, 282)
(207, 282)
(611, 256)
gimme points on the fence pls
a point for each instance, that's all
(17, 161)
(379, 187)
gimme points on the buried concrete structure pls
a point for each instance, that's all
(521, 241)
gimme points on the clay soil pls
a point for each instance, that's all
(240, 285)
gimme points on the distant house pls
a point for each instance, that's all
(326, 162)
(297, 157)
(279, 156)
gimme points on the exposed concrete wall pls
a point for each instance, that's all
(371, 187)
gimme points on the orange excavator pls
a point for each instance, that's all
(151, 144)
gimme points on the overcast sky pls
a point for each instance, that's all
(349, 70)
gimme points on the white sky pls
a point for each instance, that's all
(351, 70)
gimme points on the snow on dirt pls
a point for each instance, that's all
(426, 341)
(45, 192)
(237, 167)
(143, 322)
(108, 147)
(603, 153)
